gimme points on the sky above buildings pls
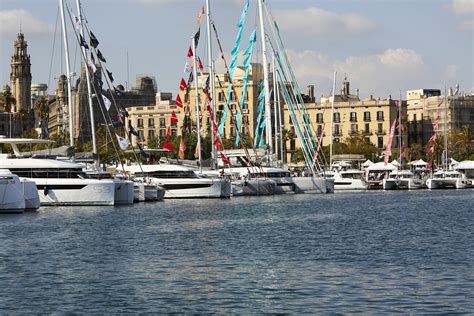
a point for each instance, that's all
(382, 46)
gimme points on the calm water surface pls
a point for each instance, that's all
(351, 252)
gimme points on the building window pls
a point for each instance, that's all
(245, 106)
(162, 122)
(353, 116)
(319, 117)
(140, 135)
(292, 145)
(367, 128)
(379, 115)
(232, 106)
(337, 130)
(367, 116)
(414, 118)
(174, 132)
(320, 130)
(162, 133)
(151, 123)
(337, 117)
(151, 134)
(221, 96)
(379, 142)
(380, 128)
(353, 128)
(140, 123)
(232, 96)
(221, 107)
(232, 131)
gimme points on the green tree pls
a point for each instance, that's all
(42, 111)
(6, 99)
(462, 144)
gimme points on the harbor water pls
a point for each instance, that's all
(366, 252)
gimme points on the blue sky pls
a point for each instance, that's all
(382, 45)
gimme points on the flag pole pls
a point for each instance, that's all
(212, 83)
(196, 98)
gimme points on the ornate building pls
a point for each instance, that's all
(20, 76)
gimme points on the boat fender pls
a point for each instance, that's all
(45, 190)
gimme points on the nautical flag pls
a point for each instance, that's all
(399, 103)
(168, 133)
(167, 146)
(123, 142)
(77, 23)
(190, 52)
(200, 15)
(179, 102)
(118, 92)
(225, 160)
(110, 76)
(196, 37)
(98, 82)
(107, 102)
(435, 125)
(432, 138)
(187, 68)
(92, 66)
(83, 42)
(94, 42)
(117, 123)
(200, 66)
(389, 142)
(92, 58)
(182, 149)
(133, 131)
(431, 150)
(182, 85)
(196, 152)
(99, 55)
(124, 113)
(142, 152)
(217, 143)
(174, 118)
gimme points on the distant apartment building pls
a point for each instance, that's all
(151, 121)
(370, 118)
(425, 105)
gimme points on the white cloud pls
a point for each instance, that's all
(462, 6)
(10, 21)
(383, 73)
(314, 21)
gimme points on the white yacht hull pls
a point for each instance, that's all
(139, 192)
(400, 184)
(253, 187)
(123, 192)
(446, 183)
(75, 191)
(30, 193)
(178, 188)
(11, 195)
(312, 185)
(349, 184)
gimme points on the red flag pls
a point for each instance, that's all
(168, 146)
(200, 66)
(432, 138)
(190, 52)
(168, 133)
(174, 118)
(225, 159)
(179, 102)
(182, 148)
(217, 143)
(182, 85)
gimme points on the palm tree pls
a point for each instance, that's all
(462, 142)
(6, 99)
(42, 110)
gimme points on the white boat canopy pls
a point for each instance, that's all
(395, 163)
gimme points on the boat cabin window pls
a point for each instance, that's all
(351, 175)
(167, 174)
(98, 176)
(52, 173)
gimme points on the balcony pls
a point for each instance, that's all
(337, 133)
(367, 133)
(366, 119)
(351, 132)
(381, 132)
(245, 111)
(380, 119)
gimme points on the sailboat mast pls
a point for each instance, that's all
(212, 82)
(445, 130)
(280, 123)
(275, 105)
(332, 119)
(265, 84)
(196, 98)
(68, 76)
(89, 92)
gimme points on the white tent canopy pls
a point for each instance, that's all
(367, 163)
(381, 166)
(418, 163)
(395, 163)
(465, 164)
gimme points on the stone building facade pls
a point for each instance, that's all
(20, 75)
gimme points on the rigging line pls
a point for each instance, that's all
(235, 93)
(54, 44)
(95, 90)
(111, 95)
